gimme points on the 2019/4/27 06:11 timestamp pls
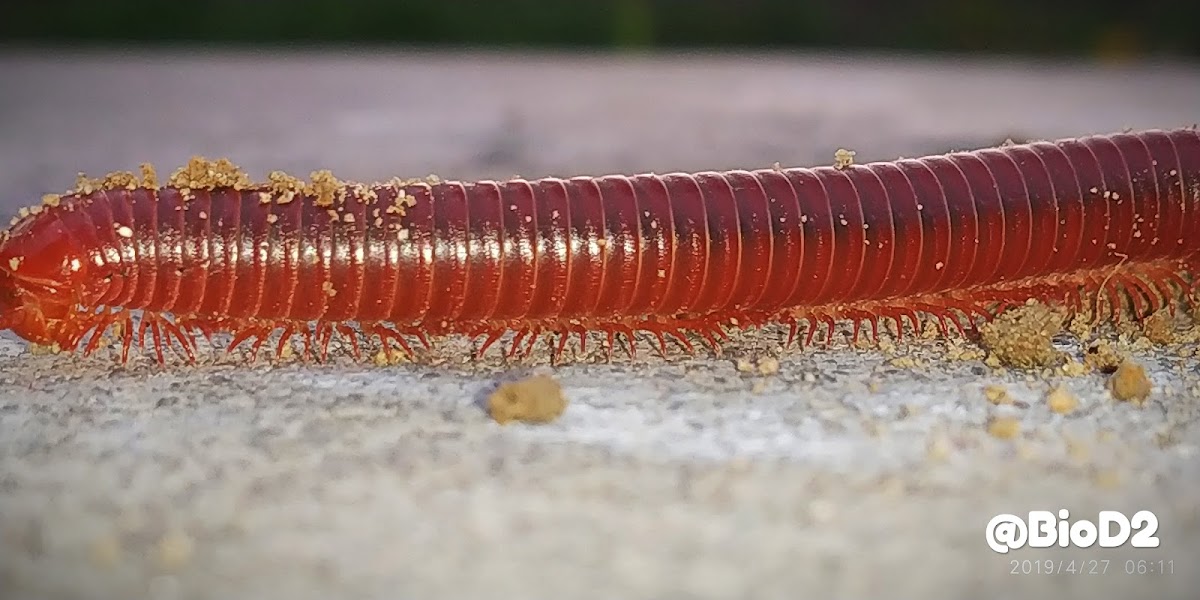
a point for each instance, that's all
(1049, 566)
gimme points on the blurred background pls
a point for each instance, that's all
(475, 89)
(691, 480)
(1110, 29)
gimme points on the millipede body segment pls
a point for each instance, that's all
(956, 236)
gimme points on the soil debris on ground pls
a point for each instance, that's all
(1129, 383)
(537, 399)
(1023, 337)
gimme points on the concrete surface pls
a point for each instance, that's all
(845, 474)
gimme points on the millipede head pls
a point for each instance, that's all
(42, 275)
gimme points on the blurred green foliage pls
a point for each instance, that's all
(1102, 27)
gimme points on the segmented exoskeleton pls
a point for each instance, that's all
(955, 236)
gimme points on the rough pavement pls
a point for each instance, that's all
(848, 473)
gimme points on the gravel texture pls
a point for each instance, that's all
(846, 473)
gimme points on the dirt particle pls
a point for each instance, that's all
(364, 193)
(120, 180)
(906, 362)
(149, 176)
(389, 355)
(1022, 337)
(1129, 383)
(1080, 325)
(325, 188)
(537, 399)
(205, 174)
(85, 185)
(41, 350)
(1107, 478)
(174, 549)
(14, 263)
(1159, 328)
(843, 158)
(403, 200)
(1078, 450)
(1004, 428)
(765, 366)
(1074, 368)
(327, 287)
(768, 365)
(997, 394)
(938, 448)
(958, 351)
(280, 182)
(1102, 357)
(106, 551)
(1062, 401)
(51, 200)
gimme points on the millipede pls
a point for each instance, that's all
(1108, 220)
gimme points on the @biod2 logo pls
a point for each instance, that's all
(1043, 529)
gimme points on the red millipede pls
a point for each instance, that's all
(957, 237)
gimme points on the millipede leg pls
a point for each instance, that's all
(126, 335)
(662, 343)
(1114, 301)
(177, 332)
(533, 339)
(324, 338)
(1138, 296)
(143, 325)
(352, 337)
(492, 336)
(173, 331)
(284, 339)
(1151, 291)
(309, 344)
(386, 336)
(516, 343)
(811, 332)
(630, 340)
(97, 326)
(560, 346)
(421, 337)
(157, 332)
(793, 328)
(246, 332)
(256, 345)
(93, 341)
